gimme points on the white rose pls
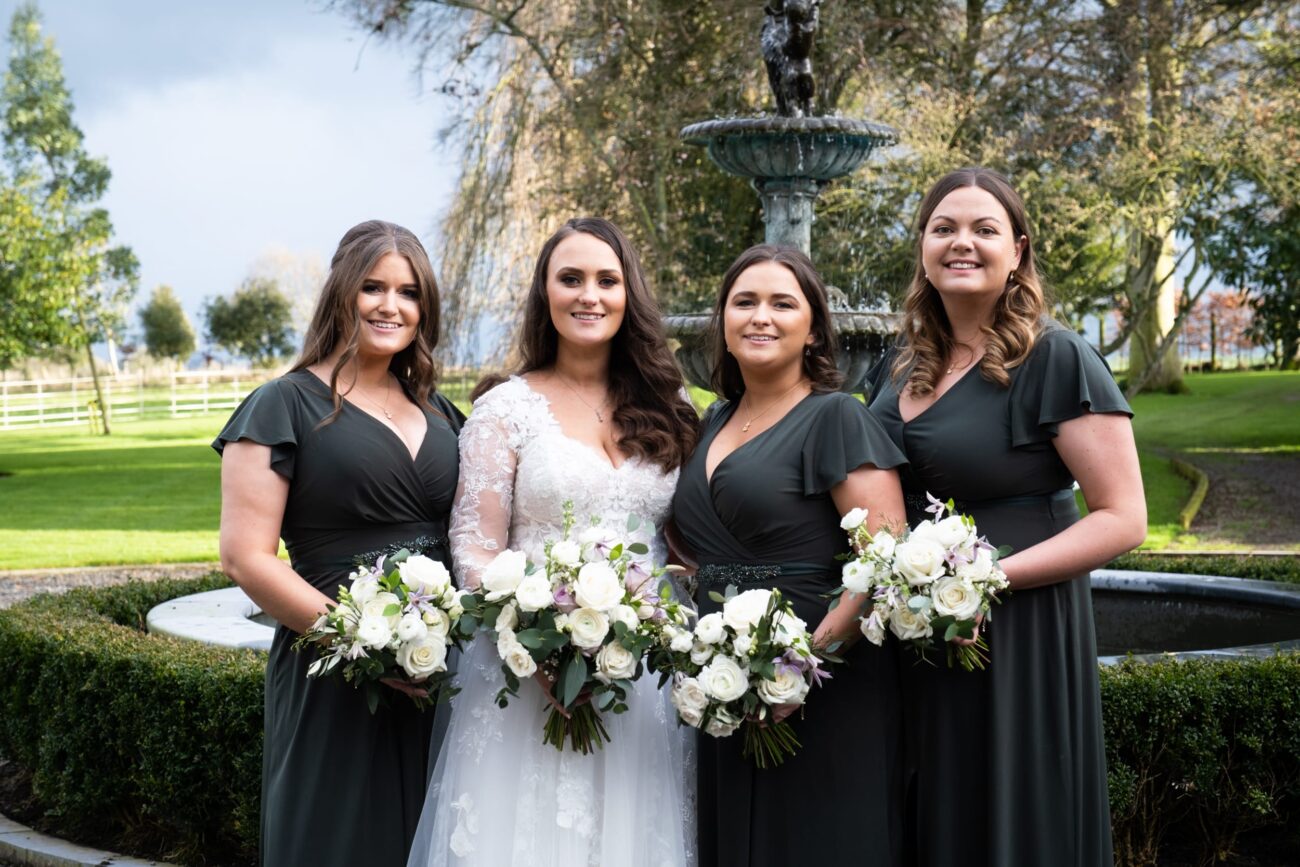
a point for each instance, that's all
(597, 587)
(508, 619)
(438, 623)
(363, 590)
(908, 624)
(534, 592)
(857, 577)
(952, 532)
(873, 627)
(379, 603)
(788, 628)
(724, 679)
(710, 629)
(742, 644)
(588, 628)
(919, 561)
(566, 552)
(614, 662)
(423, 657)
(924, 530)
(701, 653)
(853, 519)
(743, 611)
(979, 569)
(722, 724)
(506, 641)
(627, 615)
(520, 661)
(955, 597)
(425, 574)
(504, 573)
(411, 627)
(681, 641)
(882, 545)
(374, 632)
(787, 687)
(690, 700)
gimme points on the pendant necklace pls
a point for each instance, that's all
(752, 418)
(564, 380)
(388, 382)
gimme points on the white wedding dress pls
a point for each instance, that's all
(498, 796)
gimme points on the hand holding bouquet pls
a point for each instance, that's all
(738, 666)
(396, 620)
(940, 578)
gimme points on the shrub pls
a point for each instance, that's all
(1285, 569)
(145, 741)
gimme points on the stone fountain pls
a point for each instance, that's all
(789, 158)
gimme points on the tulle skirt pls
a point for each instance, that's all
(498, 796)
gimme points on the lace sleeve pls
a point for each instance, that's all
(480, 517)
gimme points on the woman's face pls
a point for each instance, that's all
(969, 246)
(389, 306)
(767, 321)
(585, 291)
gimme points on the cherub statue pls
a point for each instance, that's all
(787, 50)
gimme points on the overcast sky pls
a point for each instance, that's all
(235, 128)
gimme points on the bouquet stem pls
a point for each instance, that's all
(583, 729)
(769, 744)
(969, 656)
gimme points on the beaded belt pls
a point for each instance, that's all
(418, 545)
(918, 502)
(712, 575)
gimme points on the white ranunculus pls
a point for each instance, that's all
(438, 622)
(787, 687)
(534, 592)
(423, 657)
(681, 641)
(952, 532)
(955, 597)
(857, 576)
(520, 661)
(873, 627)
(504, 573)
(424, 574)
(701, 653)
(723, 679)
(374, 632)
(882, 545)
(626, 615)
(743, 611)
(588, 628)
(853, 519)
(379, 603)
(722, 724)
(363, 590)
(690, 700)
(614, 662)
(710, 629)
(508, 619)
(979, 569)
(919, 561)
(908, 624)
(566, 552)
(411, 627)
(597, 587)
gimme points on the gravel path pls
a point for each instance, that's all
(18, 585)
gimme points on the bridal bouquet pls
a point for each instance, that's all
(585, 617)
(937, 579)
(736, 665)
(396, 619)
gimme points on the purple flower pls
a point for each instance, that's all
(936, 506)
(564, 600)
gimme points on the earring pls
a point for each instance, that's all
(807, 350)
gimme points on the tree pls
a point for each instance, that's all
(167, 330)
(255, 322)
(37, 274)
(43, 147)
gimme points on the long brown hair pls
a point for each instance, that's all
(337, 319)
(819, 357)
(654, 420)
(925, 335)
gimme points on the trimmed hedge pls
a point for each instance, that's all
(1284, 569)
(155, 743)
(149, 742)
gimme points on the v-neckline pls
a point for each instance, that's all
(898, 397)
(412, 456)
(710, 476)
(559, 429)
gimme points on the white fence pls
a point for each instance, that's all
(67, 402)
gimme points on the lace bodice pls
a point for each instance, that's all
(518, 468)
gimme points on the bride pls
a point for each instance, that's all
(595, 415)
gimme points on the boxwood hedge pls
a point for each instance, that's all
(155, 743)
(1262, 568)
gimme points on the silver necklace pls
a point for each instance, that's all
(600, 418)
(388, 383)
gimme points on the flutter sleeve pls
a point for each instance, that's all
(843, 437)
(266, 417)
(1063, 378)
(480, 516)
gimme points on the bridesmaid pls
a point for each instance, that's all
(1002, 409)
(780, 459)
(350, 454)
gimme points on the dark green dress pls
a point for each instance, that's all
(1007, 766)
(768, 506)
(341, 786)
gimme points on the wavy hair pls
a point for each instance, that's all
(654, 420)
(818, 359)
(337, 319)
(925, 334)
